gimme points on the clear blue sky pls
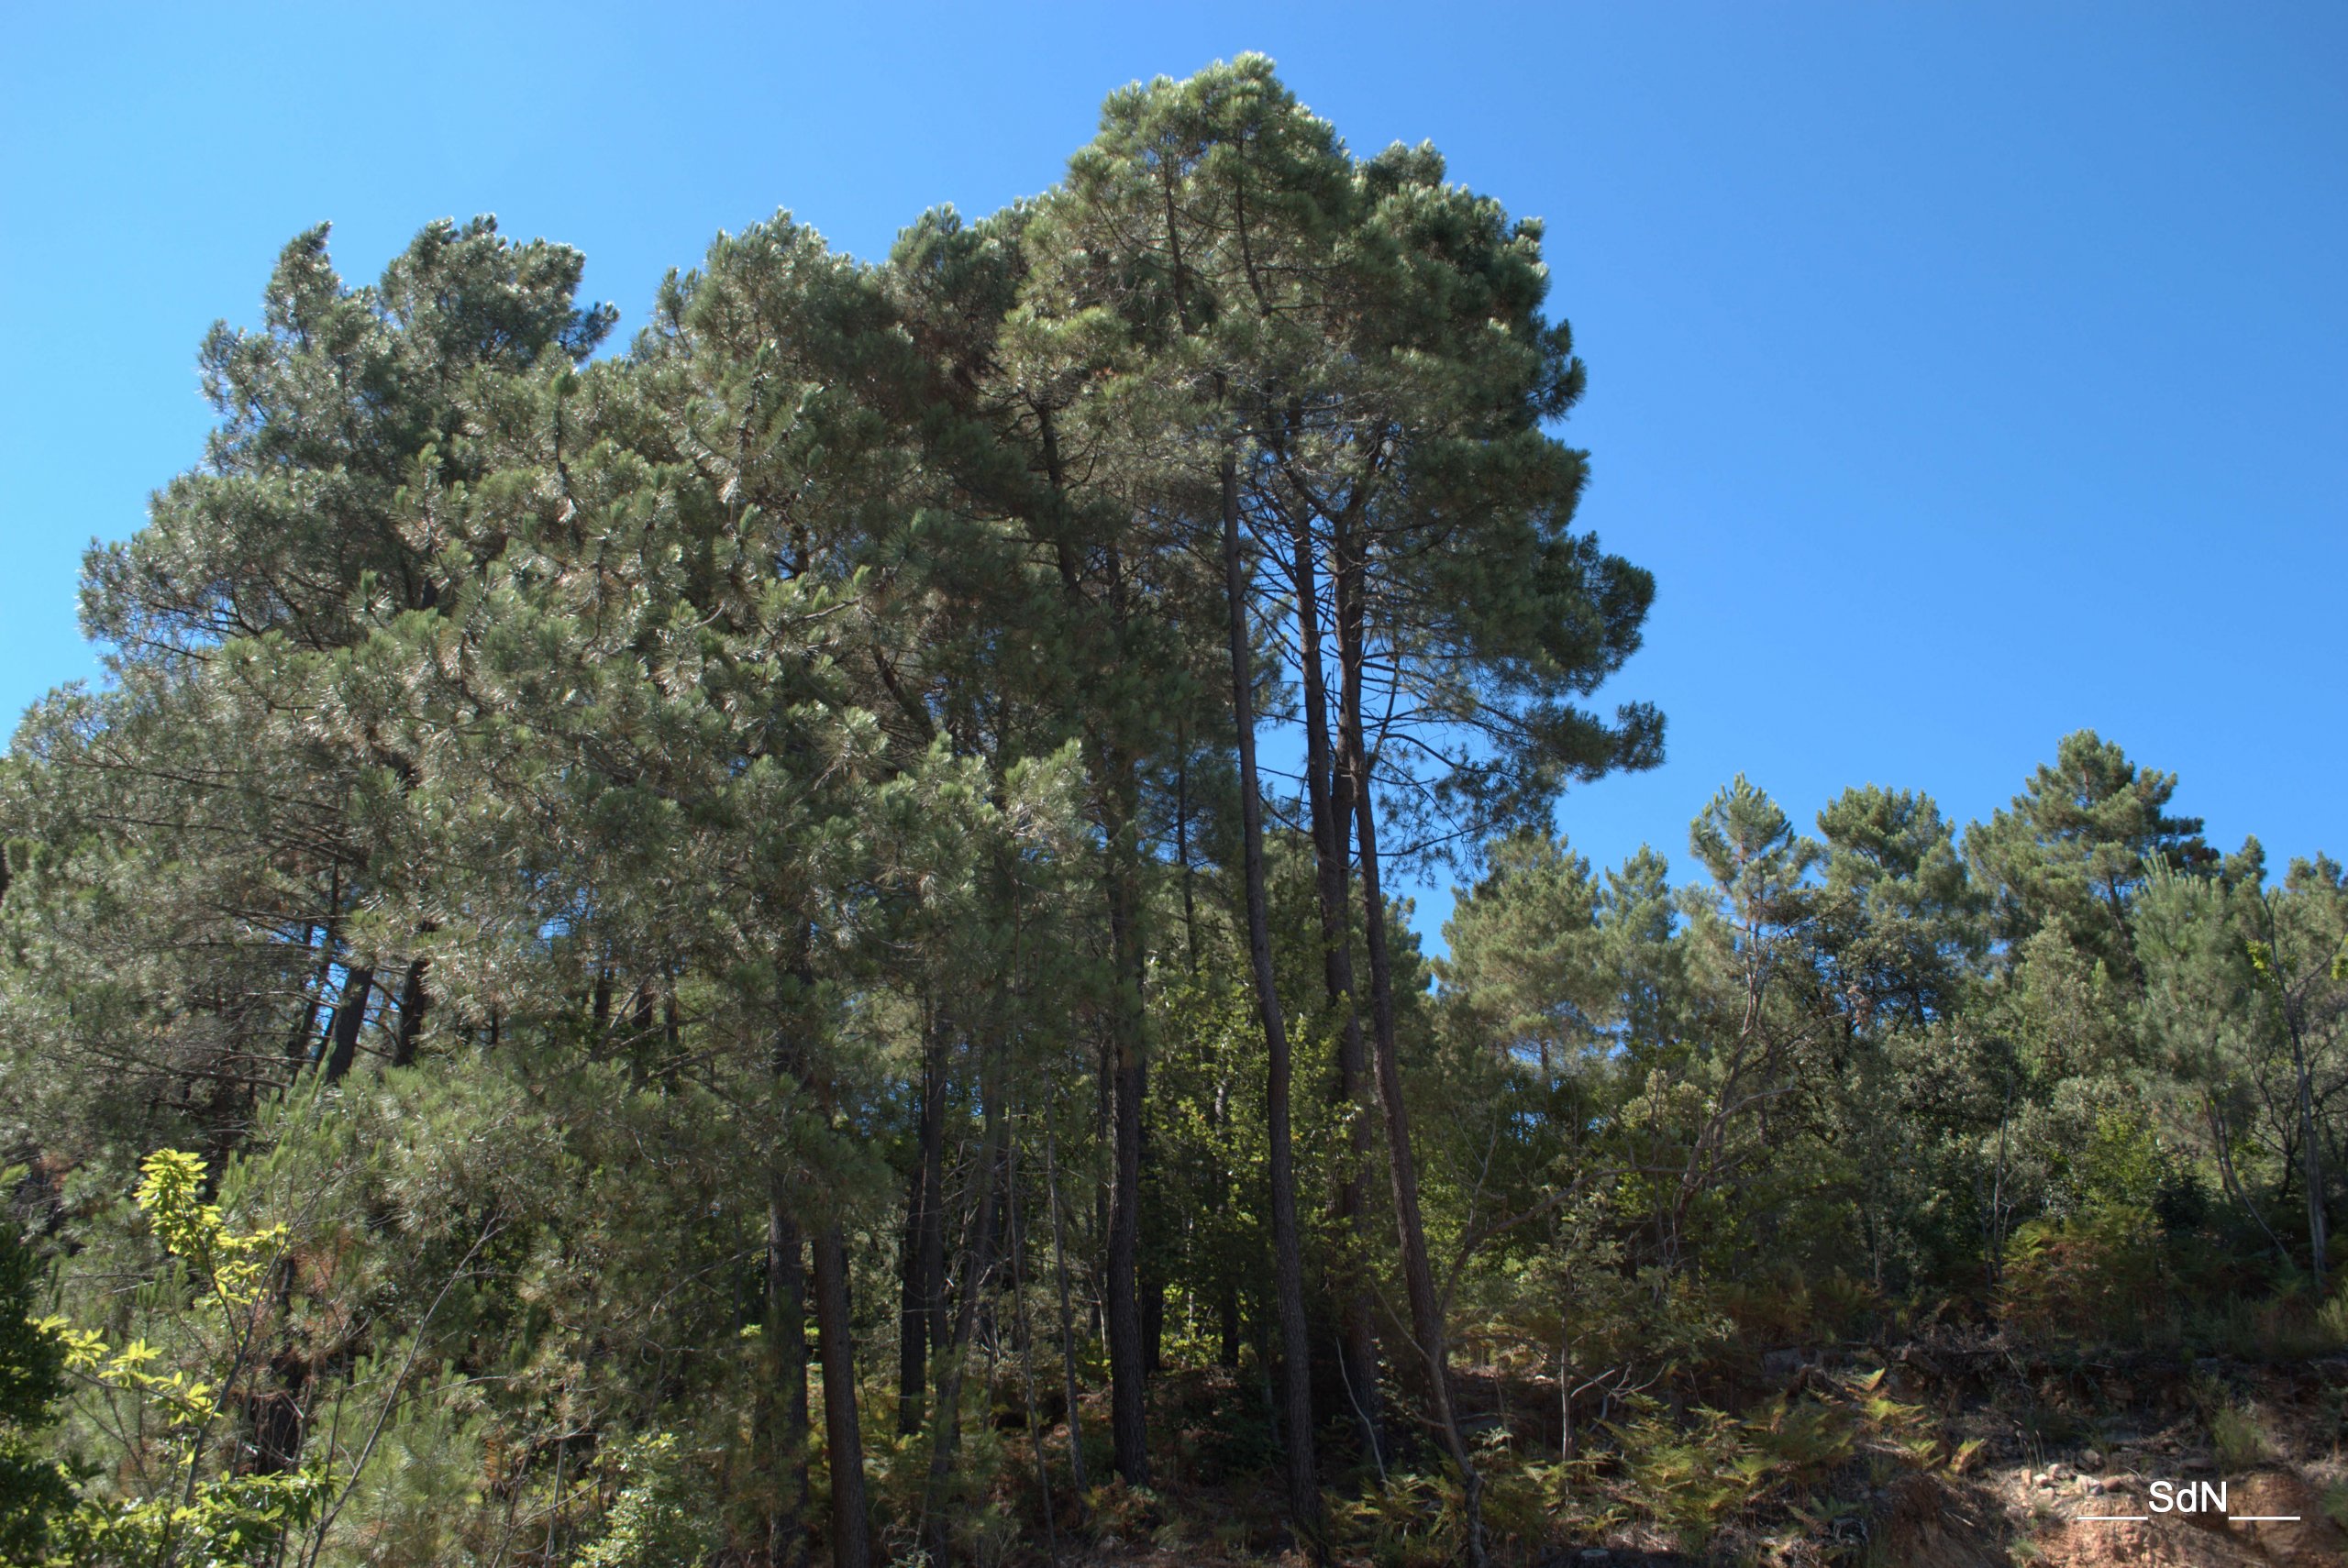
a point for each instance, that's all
(1966, 374)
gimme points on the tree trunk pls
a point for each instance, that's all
(851, 1528)
(923, 1310)
(912, 1306)
(2312, 1155)
(1182, 847)
(2221, 1142)
(1068, 1324)
(350, 1014)
(1128, 1366)
(301, 1039)
(1154, 1322)
(1329, 795)
(1288, 1256)
(412, 1000)
(1027, 1346)
(2311, 1146)
(786, 1330)
(946, 1432)
(1125, 1072)
(641, 1029)
(834, 1325)
(1418, 1275)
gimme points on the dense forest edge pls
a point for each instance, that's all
(781, 945)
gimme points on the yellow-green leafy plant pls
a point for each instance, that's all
(189, 1513)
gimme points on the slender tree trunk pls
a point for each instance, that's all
(1152, 1318)
(641, 1029)
(786, 1328)
(1418, 1274)
(1068, 1324)
(786, 1317)
(301, 1041)
(851, 1528)
(1287, 1256)
(1329, 795)
(2312, 1155)
(912, 1315)
(2311, 1146)
(1128, 1364)
(1126, 1075)
(1182, 846)
(1218, 1115)
(304, 1042)
(1027, 1346)
(834, 1325)
(2222, 1141)
(923, 1310)
(946, 1431)
(671, 1038)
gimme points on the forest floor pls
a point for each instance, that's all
(2065, 1452)
(2073, 1449)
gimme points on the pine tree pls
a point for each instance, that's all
(2076, 844)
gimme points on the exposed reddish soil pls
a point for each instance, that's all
(2201, 1539)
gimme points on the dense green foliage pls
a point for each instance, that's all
(34, 1487)
(684, 956)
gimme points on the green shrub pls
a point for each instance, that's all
(33, 1488)
(657, 1520)
(2239, 1440)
